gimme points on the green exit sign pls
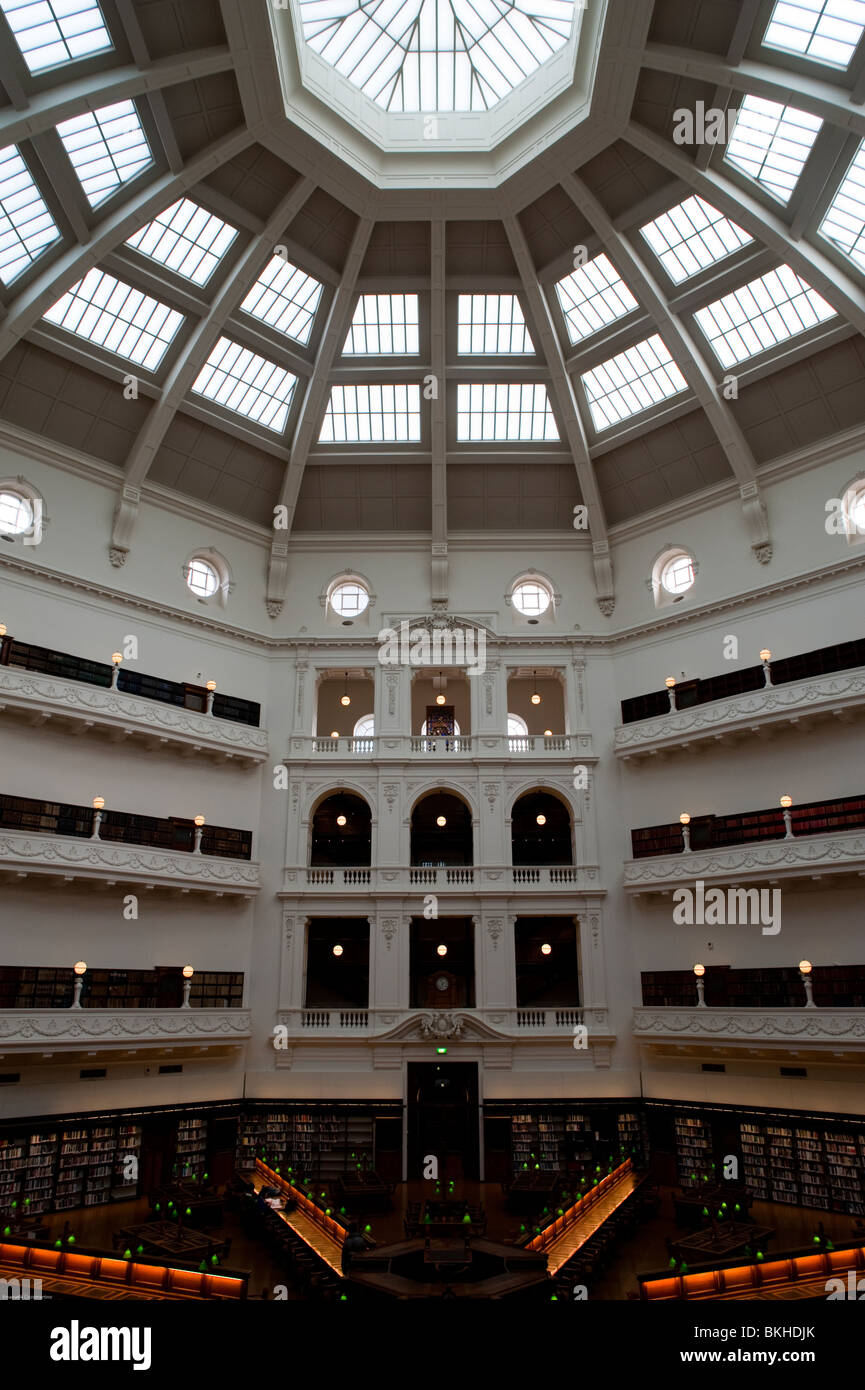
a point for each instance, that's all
(441, 1051)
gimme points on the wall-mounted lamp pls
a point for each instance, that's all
(441, 821)
(337, 950)
(546, 949)
(340, 820)
(541, 820)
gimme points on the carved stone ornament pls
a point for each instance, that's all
(763, 552)
(440, 1026)
(606, 606)
(389, 930)
(495, 927)
(117, 555)
(274, 607)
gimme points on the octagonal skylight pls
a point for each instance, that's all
(436, 55)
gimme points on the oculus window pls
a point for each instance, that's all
(762, 314)
(631, 382)
(593, 296)
(348, 598)
(531, 598)
(26, 225)
(117, 317)
(436, 55)
(187, 239)
(692, 236)
(16, 513)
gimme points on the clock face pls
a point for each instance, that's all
(442, 983)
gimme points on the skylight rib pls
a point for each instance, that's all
(593, 296)
(504, 411)
(117, 317)
(107, 148)
(384, 324)
(52, 32)
(286, 298)
(382, 414)
(631, 382)
(762, 314)
(240, 380)
(826, 30)
(692, 236)
(26, 225)
(491, 323)
(187, 239)
(770, 143)
(844, 223)
(436, 55)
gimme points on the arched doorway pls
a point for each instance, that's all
(541, 830)
(341, 832)
(441, 831)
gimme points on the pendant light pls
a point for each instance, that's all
(441, 697)
(536, 699)
(345, 698)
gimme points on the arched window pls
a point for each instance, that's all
(674, 573)
(517, 727)
(854, 511)
(365, 726)
(16, 513)
(201, 578)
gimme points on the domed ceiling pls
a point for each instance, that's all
(365, 263)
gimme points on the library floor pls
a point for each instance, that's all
(647, 1251)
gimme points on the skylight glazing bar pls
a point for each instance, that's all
(592, 297)
(244, 382)
(491, 323)
(286, 298)
(826, 30)
(497, 411)
(844, 223)
(770, 143)
(117, 317)
(187, 239)
(380, 414)
(631, 382)
(384, 325)
(52, 32)
(26, 225)
(761, 315)
(107, 148)
(691, 237)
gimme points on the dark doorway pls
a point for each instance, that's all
(443, 1118)
(442, 963)
(541, 830)
(341, 832)
(441, 831)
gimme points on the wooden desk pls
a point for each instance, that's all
(161, 1235)
(729, 1240)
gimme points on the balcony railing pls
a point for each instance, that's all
(403, 746)
(492, 878)
(122, 827)
(53, 987)
(72, 1029)
(746, 827)
(483, 1023)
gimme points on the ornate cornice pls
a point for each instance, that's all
(781, 1025)
(131, 715)
(106, 861)
(773, 858)
(74, 1027)
(774, 704)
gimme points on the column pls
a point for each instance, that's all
(494, 954)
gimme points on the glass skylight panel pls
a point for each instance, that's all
(26, 225)
(762, 314)
(504, 411)
(372, 415)
(592, 297)
(825, 30)
(187, 239)
(770, 143)
(242, 381)
(384, 324)
(692, 236)
(118, 318)
(631, 382)
(844, 222)
(286, 298)
(51, 32)
(436, 55)
(107, 148)
(491, 323)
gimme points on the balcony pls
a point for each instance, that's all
(117, 715)
(755, 700)
(821, 839)
(70, 1030)
(483, 1025)
(474, 878)
(415, 747)
(824, 1030)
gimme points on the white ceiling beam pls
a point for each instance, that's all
(742, 207)
(46, 109)
(540, 325)
(28, 307)
(191, 359)
(688, 357)
(133, 33)
(749, 11)
(782, 85)
(438, 414)
(313, 407)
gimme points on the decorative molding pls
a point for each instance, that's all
(74, 1027)
(389, 930)
(495, 927)
(742, 713)
(274, 607)
(288, 923)
(105, 860)
(795, 858)
(763, 552)
(766, 1025)
(606, 606)
(130, 714)
(117, 555)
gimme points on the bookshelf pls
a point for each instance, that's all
(805, 1167)
(13, 1163)
(753, 1144)
(543, 1139)
(125, 1176)
(190, 1149)
(693, 1152)
(38, 1188)
(321, 1144)
(632, 1136)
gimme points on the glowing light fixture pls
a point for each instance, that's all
(441, 821)
(765, 654)
(187, 972)
(536, 699)
(337, 950)
(786, 801)
(98, 803)
(199, 821)
(541, 820)
(80, 967)
(345, 698)
(340, 820)
(670, 682)
(546, 949)
(334, 733)
(116, 658)
(548, 733)
(441, 950)
(806, 967)
(211, 685)
(684, 818)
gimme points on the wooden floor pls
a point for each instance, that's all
(577, 1235)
